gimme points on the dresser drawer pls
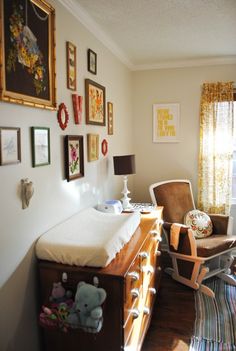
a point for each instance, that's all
(133, 318)
(132, 287)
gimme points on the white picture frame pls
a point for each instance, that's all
(166, 123)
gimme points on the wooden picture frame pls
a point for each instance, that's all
(166, 123)
(95, 100)
(110, 118)
(27, 53)
(10, 145)
(93, 147)
(92, 61)
(40, 139)
(71, 65)
(74, 156)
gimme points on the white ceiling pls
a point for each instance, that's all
(162, 33)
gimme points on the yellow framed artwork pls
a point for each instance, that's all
(93, 147)
(95, 103)
(27, 67)
(166, 123)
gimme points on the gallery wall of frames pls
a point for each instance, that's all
(28, 77)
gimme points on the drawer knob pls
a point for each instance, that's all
(159, 221)
(135, 293)
(158, 253)
(148, 269)
(135, 313)
(64, 277)
(134, 275)
(156, 235)
(144, 255)
(146, 310)
(152, 291)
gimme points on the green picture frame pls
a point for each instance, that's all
(40, 146)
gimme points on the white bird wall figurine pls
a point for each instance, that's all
(27, 191)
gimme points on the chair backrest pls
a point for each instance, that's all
(175, 196)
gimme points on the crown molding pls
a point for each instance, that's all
(226, 60)
(77, 11)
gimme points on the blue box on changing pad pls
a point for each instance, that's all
(110, 206)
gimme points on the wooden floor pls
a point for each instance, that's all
(173, 317)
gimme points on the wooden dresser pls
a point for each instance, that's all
(131, 281)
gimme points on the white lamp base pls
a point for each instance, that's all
(125, 199)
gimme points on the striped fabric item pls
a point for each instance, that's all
(215, 324)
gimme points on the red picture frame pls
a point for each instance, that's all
(63, 120)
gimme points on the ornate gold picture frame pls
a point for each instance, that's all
(27, 53)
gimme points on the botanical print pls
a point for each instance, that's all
(27, 53)
(41, 146)
(93, 141)
(74, 161)
(165, 122)
(93, 146)
(71, 66)
(92, 61)
(96, 108)
(9, 146)
(24, 49)
(110, 118)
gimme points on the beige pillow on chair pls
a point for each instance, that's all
(199, 222)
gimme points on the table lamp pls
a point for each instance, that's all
(124, 165)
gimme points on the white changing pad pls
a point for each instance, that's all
(88, 238)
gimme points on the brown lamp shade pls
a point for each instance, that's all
(124, 165)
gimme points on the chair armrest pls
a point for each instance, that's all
(222, 224)
(187, 245)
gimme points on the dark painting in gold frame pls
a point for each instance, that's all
(27, 74)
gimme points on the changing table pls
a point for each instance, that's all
(131, 280)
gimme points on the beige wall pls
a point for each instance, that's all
(161, 161)
(54, 198)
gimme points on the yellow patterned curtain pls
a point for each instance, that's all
(216, 148)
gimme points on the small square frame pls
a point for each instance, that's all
(40, 137)
(10, 145)
(71, 65)
(93, 147)
(74, 157)
(92, 61)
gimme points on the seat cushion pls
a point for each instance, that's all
(215, 244)
(199, 222)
